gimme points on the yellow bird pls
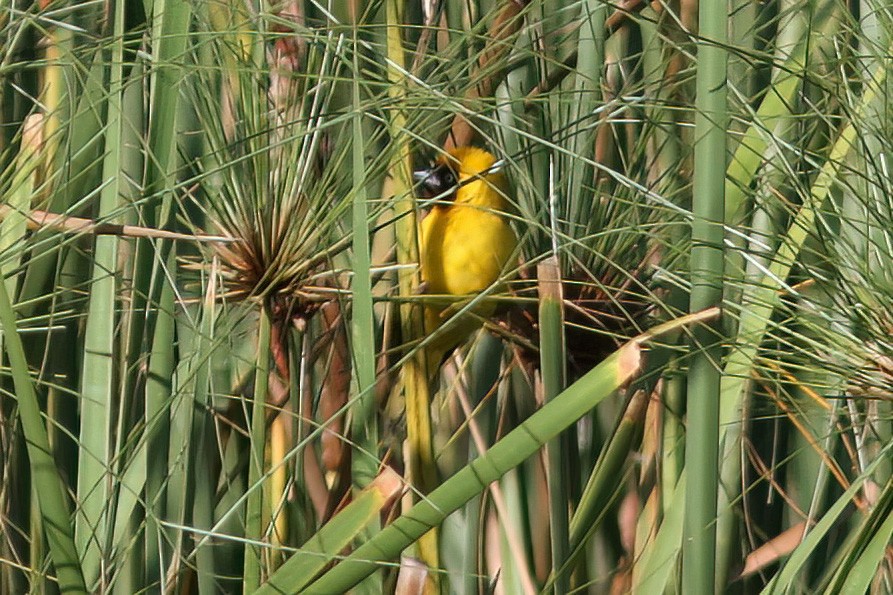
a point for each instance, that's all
(465, 242)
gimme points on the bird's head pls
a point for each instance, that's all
(464, 175)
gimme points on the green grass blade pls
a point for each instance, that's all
(170, 30)
(45, 478)
(859, 567)
(604, 483)
(364, 411)
(203, 453)
(18, 200)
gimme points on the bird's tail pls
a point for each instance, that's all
(457, 329)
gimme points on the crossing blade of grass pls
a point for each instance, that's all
(864, 571)
(783, 581)
(867, 550)
(295, 574)
(508, 453)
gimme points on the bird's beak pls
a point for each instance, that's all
(425, 181)
(420, 175)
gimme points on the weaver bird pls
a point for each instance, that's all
(465, 242)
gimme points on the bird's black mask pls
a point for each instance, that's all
(438, 181)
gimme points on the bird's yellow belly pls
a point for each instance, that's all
(464, 249)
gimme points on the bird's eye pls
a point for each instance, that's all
(449, 179)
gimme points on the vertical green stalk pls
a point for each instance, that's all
(170, 21)
(707, 268)
(417, 399)
(876, 37)
(254, 506)
(743, 26)
(485, 370)
(364, 419)
(170, 35)
(178, 484)
(364, 428)
(552, 364)
(129, 454)
(673, 430)
(97, 376)
(605, 484)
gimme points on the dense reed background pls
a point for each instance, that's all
(210, 306)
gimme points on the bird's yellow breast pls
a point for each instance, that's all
(464, 249)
